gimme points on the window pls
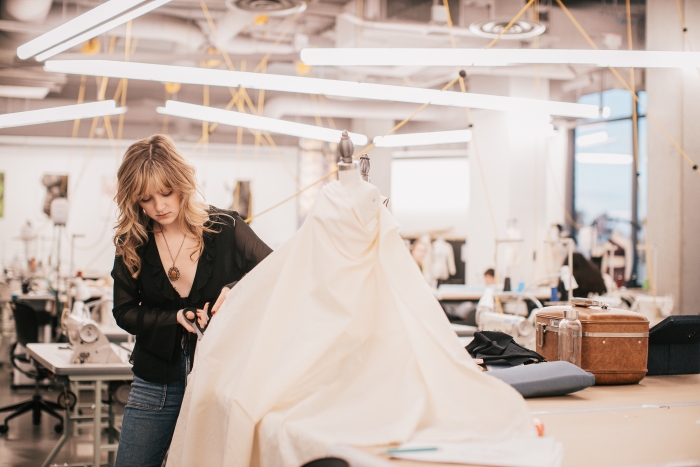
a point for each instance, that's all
(605, 193)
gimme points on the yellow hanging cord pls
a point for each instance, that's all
(635, 136)
(398, 126)
(336, 170)
(81, 98)
(626, 86)
(274, 45)
(683, 26)
(241, 93)
(125, 81)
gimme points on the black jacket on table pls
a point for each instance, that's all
(147, 306)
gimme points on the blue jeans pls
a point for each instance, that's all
(149, 421)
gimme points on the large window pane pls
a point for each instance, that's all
(603, 173)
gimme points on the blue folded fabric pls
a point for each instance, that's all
(545, 379)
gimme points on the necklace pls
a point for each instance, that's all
(173, 272)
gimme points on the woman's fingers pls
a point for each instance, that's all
(202, 315)
(184, 323)
(220, 300)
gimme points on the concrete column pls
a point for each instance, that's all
(514, 150)
(674, 188)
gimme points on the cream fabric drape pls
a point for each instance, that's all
(335, 338)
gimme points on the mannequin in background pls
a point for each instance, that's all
(443, 260)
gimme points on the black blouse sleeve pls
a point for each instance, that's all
(156, 329)
(250, 250)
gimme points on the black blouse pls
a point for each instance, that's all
(147, 306)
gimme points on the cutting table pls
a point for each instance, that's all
(653, 423)
(56, 358)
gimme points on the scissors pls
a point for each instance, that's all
(195, 322)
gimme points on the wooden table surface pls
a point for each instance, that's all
(653, 423)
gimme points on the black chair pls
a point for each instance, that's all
(327, 462)
(27, 322)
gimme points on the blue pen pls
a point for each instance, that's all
(401, 451)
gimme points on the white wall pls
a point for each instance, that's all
(92, 166)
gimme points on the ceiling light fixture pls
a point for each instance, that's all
(603, 158)
(327, 87)
(61, 114)
(86, 26)
(519, 30)
(498, 57)
(24, 92)
(423, 139)
(254, 122)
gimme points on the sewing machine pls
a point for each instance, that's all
(89, 344)
(87, 341)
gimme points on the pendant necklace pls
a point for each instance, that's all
(173, 272)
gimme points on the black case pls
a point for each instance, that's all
(674, 346)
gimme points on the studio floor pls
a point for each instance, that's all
(26, 445)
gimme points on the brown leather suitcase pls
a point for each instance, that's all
(614, 345)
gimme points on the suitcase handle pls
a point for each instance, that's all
(587, 302)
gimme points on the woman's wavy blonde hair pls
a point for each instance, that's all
(148, 164)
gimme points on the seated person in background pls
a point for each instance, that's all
(587, 275)
(489, 277)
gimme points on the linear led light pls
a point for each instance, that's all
(430, 154)
(24, 92)
(327, 87)
(603, 158)
(61, 114)
(86, 26)
(498, 57)
(423, 139)
(254, 122)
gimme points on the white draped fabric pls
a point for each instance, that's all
(335, 338)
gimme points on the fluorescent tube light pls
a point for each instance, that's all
(603, 158)
(498, 57)
(423, 139)
(86, 26)
(431, 154)
(327, 87)
(61, 114)
(24, 92)
(592, 139)
(254, 122)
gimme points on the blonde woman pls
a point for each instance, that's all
(174, 255)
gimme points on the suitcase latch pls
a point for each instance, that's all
(542, 328)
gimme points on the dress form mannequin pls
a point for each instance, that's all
(365, 197)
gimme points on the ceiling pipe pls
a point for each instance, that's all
(164, 28)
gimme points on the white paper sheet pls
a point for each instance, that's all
(538, 452)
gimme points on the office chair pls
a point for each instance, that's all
(27, 324)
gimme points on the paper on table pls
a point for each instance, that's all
(533, 452)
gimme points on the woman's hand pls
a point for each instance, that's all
(202, 316)
(220, 300)
(184, 323)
